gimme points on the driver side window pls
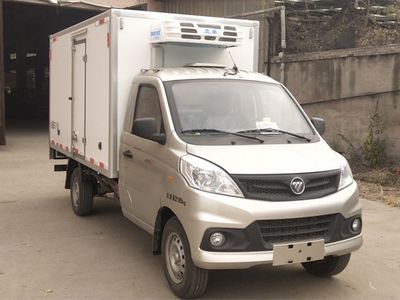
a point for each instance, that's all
(148, 106)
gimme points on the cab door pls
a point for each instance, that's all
(142, 169)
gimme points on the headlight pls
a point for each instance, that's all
(346, 177)
(205, 176)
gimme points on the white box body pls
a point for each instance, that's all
(93, 64)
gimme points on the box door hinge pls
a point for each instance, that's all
(73, 48)
(84, 141)
(84, 58)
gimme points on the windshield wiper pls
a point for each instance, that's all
(275, 130)
(204, 130)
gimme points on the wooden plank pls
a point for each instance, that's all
(2, 105)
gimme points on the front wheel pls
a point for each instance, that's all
(329, 266)
(184, 278)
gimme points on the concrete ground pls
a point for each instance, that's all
(46, 252)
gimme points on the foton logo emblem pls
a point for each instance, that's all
(297, 186)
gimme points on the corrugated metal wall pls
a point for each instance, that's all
(227, 8)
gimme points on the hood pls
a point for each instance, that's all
(270, 159)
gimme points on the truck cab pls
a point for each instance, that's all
(243, 175)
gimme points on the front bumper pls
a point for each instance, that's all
(244, 260)
(205, 210)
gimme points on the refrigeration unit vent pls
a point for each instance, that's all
(197, 33)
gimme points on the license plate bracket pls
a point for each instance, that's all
(298, 252)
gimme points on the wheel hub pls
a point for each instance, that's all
(75, 192)
(175, 257)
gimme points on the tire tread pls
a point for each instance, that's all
(328, 267)
(194, 286)
(86, 194)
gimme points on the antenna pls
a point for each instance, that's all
(234, 69)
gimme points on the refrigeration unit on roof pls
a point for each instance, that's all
(211, 34)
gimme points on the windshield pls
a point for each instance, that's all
(234, 106)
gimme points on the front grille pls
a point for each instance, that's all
(298, 229)
(277, 187)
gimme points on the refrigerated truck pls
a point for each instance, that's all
(218, 163)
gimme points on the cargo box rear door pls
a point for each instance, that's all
(79, 59)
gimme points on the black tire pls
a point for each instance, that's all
(184, 278)
(329, 266)
(82, 193)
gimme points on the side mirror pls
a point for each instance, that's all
(146, 128)
(319, 124)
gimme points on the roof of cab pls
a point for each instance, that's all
(187, 73)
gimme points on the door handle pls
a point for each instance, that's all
(128, 154)
(74, 136)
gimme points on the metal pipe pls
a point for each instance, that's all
(283, 43)
(258, 12)
(283, 28)
(282, 67)
(269, 47)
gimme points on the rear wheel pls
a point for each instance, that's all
(329, 266)
(184, 278)
(82, 193)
